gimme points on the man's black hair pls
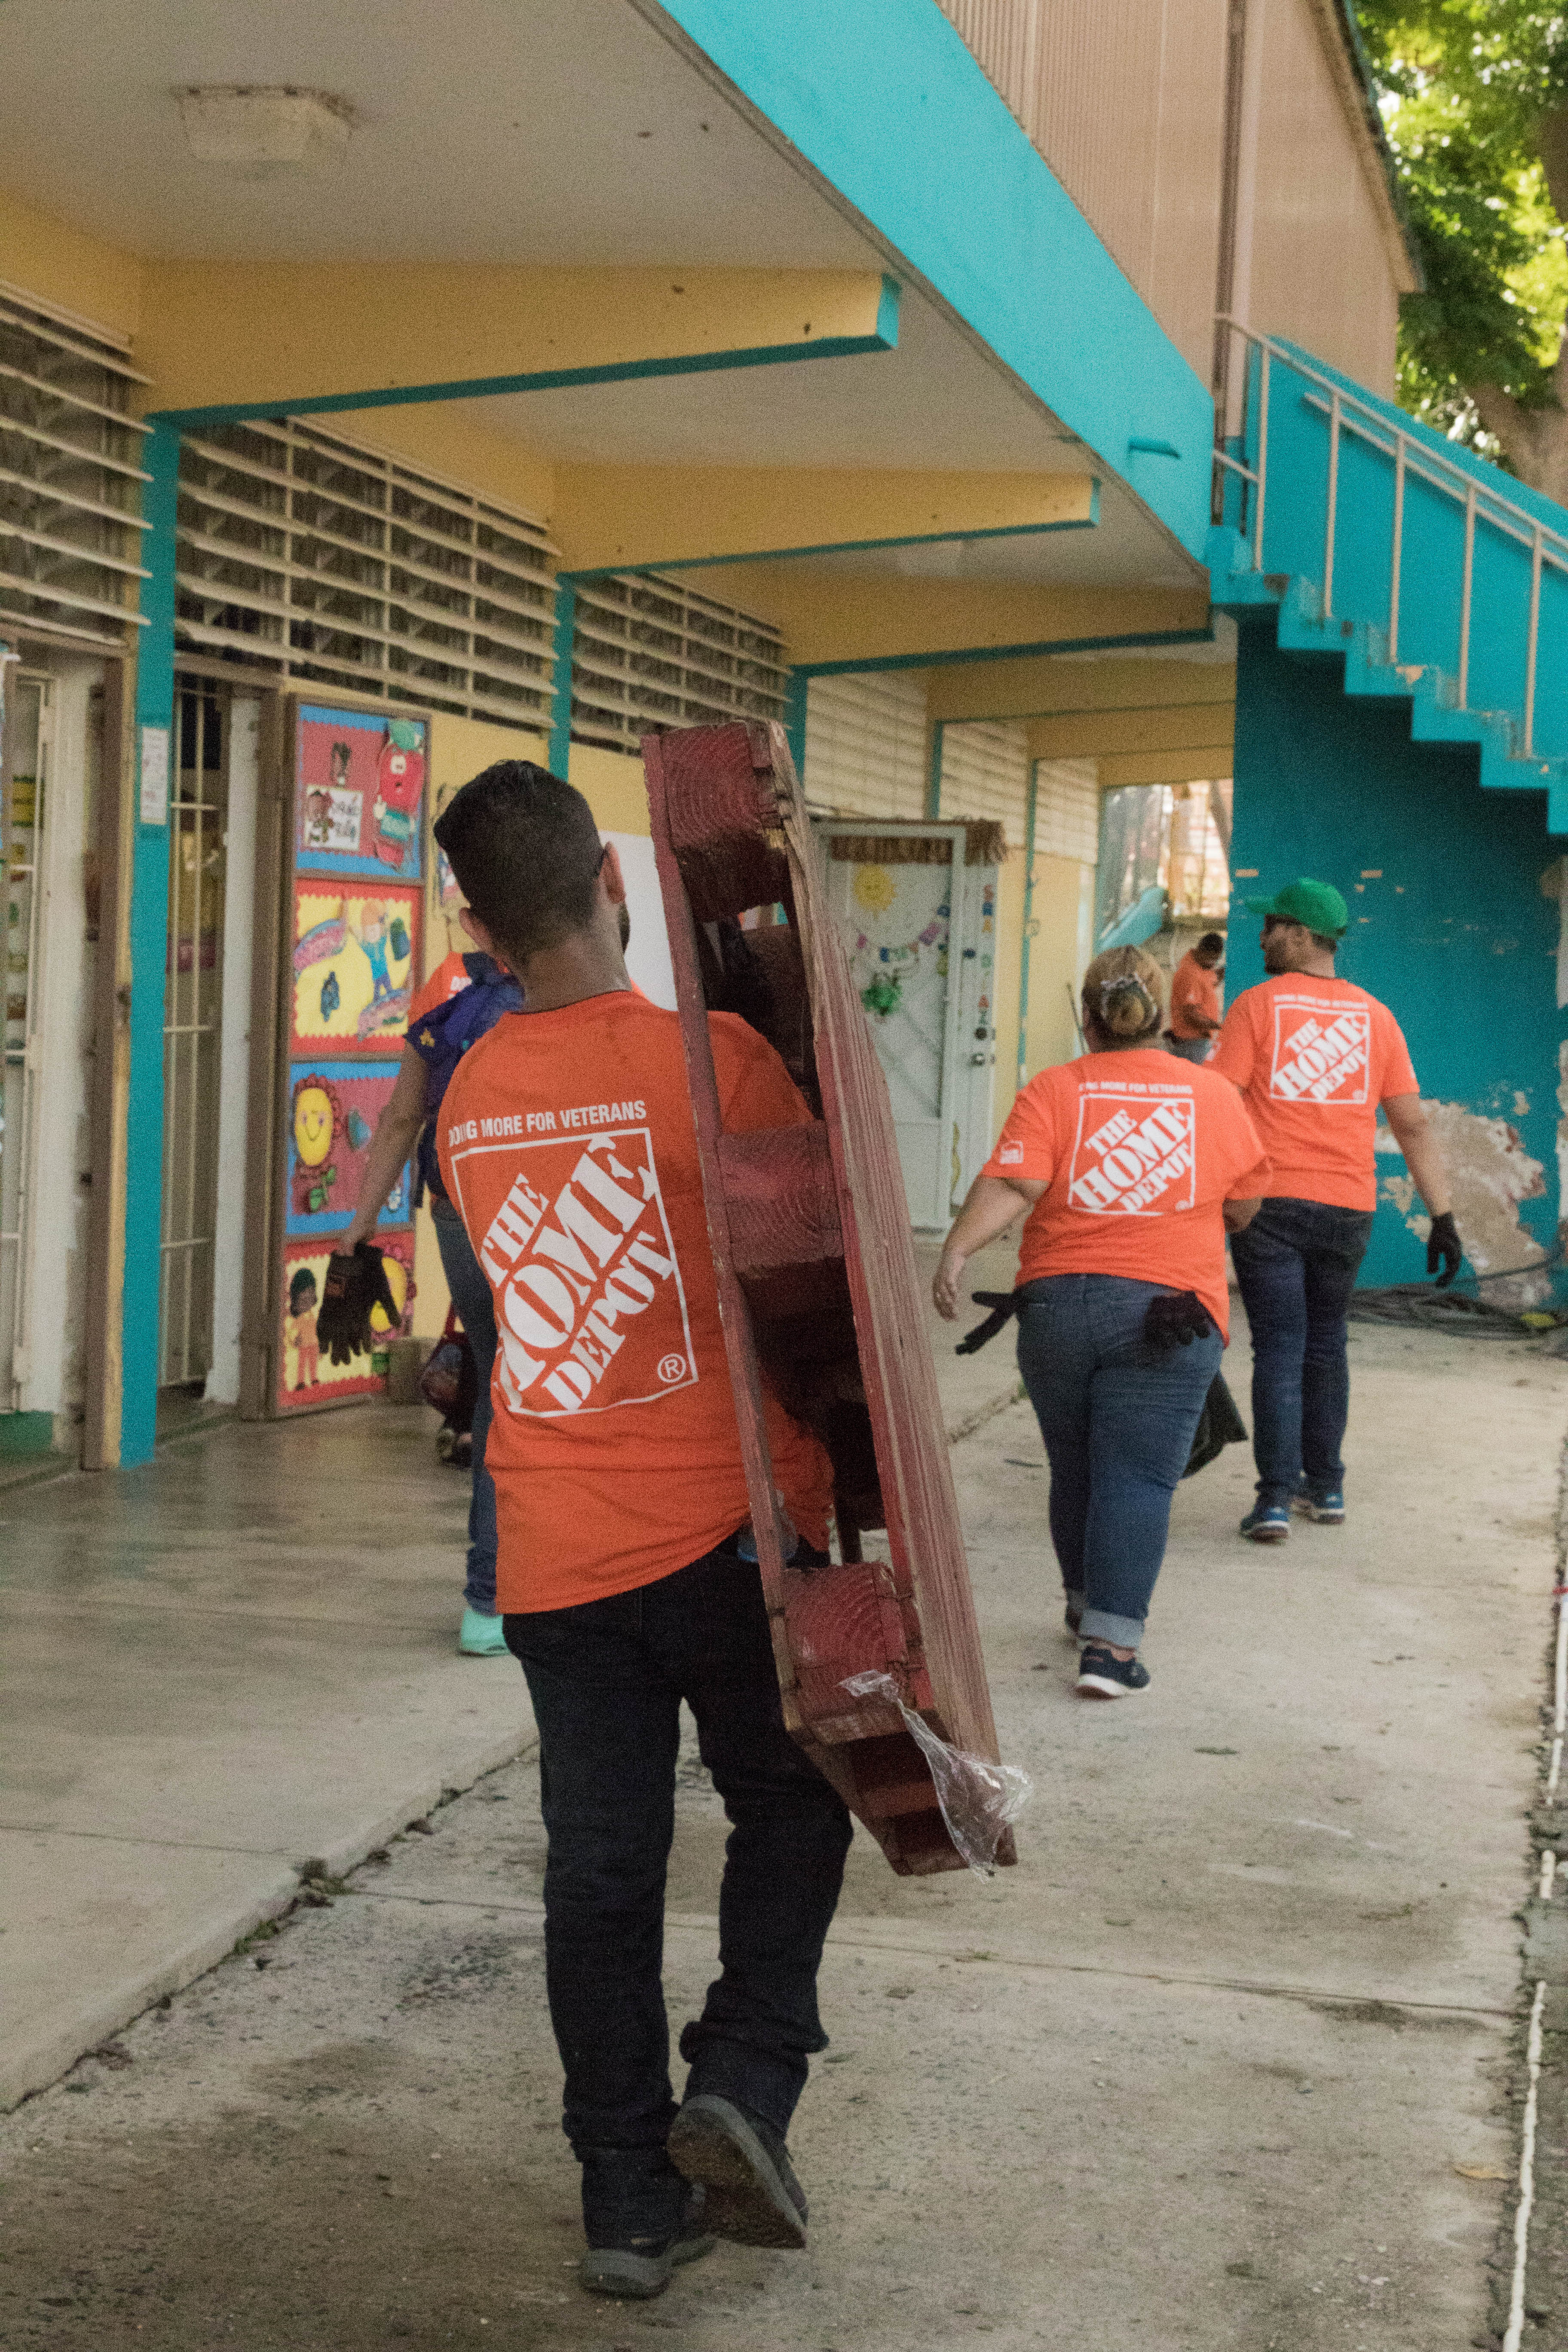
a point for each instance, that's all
(526, 853)
(1213, 940)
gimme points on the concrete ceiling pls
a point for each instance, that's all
(551, 132)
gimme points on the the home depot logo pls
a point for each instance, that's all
(590, 1305)
(1322, 1051)
(1134, 1155)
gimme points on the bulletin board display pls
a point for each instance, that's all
(359, 793)
(306, 1380)
(349, 870)
(333, 1110)
(354, 954)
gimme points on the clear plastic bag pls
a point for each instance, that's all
(978, 1800)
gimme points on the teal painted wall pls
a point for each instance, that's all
(1455, 937)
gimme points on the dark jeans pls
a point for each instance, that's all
(476, 1311)
(1296, 1263)
(607, 1680)
(1117, 1416)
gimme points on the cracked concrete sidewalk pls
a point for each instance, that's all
(1229, 2061)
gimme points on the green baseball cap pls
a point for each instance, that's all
(1317, 904)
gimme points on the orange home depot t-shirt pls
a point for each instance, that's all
(450, 977)
(1137, 1151)
(1314, 1059)
(567, 1144)
(1194, 989)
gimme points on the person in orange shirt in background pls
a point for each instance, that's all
(1194, 998)
(1314, 1056)
(627, 1568)
(1133, 1172)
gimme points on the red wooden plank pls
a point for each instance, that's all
(817, 1280)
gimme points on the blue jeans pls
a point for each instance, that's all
(1117, 1416)
(606, 1679)
(476, 1312)
(1297, 1265)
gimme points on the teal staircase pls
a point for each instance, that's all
(1467, 569)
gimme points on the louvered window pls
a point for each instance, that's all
(986, 772)
(647, 652)
(71, 482)
(865, 745)
(302, 555)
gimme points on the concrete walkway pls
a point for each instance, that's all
(238, 1658)
(1224, 2063)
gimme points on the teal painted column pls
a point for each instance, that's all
(561, 689)
(149, 953)
(797, 686)
(933, 775)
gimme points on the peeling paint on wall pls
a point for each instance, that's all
(1489, 1172)
(1553, 886)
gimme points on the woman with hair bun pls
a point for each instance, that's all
(1133, 1166)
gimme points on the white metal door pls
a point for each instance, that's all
(891, 891)
(24, 790)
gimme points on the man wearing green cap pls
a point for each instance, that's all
(1314, 1057)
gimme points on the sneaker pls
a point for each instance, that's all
(643, 2267)
(479, 1636)
(1101, 1674)
(1267, 1523)
(753, 2196)
(1327, 1506)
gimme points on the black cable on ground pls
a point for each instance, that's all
(1420, 1304)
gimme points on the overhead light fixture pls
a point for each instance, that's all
(259, 132)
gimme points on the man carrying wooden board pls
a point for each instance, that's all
(626, 1576)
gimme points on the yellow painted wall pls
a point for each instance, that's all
(1064, 913)
(1058, 685)
(39, 255)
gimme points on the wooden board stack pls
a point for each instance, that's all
(817, 1281)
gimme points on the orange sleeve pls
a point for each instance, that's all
(1027, 1145)
(1250, 1164)
(1236, 1047)
(1396, 1072)
(755, 1090)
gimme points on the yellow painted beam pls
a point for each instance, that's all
(294, 333)
(621, 517)
(1198, 765)
(1092, 735)
(829, 615)
(1054, 685)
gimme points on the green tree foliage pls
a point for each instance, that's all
(1476, 105)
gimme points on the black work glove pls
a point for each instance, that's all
(1445, 1249)
(1177, 1319)
(355, 1282)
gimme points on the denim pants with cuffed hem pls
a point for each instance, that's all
(606, 1679)
(1117, 1414)
(472, 1298)
(1296, 1265)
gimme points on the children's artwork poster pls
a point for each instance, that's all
(355, 958)
(359, 793)
(334, 1108)
(305, 1376)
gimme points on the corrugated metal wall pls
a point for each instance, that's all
(865, 745)
(986, 772)
(1125, 98)
(1320, 270)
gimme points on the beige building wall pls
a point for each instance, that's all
(1126, 100)
(1324, 266)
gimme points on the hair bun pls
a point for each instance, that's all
(1126, 1007)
